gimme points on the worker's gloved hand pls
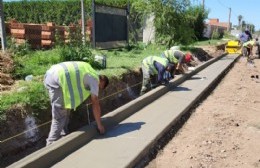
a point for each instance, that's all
(101, 129)
(154, 85)
(165, 82)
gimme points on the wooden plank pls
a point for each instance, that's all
(47, 33)
(18, 31)
(47, 37)
(17, 26)
(33, 26)
(20, 41)
(48, 28)
(16, 35)
(46, 42)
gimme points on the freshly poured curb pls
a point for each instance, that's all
(48, 156)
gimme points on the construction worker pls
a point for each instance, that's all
(244, 37)
(153, 66)
(257, 44)
(178, 58)
(69, 84)
(249, 34)
(247, 48)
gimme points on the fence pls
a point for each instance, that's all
(42, 35)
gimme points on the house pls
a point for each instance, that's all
(214, 24)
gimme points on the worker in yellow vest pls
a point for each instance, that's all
(69, 84)
(154, 66)
(248, 48)
(178, 58)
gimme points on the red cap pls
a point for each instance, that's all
(187, 57)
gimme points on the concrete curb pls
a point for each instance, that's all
(141, 159)
(49, 155)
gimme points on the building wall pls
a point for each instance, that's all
(149, 30)
(214, 24)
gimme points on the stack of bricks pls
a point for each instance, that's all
(48, 35)
(16, 31)
(89, 29)
(40, 35)
(26, 32)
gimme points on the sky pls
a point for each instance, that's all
(249, 9)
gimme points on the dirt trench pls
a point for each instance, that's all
(6, 67)
(120, 91)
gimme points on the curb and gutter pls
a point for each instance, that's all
(48, 156)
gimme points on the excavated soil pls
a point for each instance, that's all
(119, 92)
(6, 67)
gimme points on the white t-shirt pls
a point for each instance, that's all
(91, 84)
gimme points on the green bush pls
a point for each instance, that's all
(18, 49)
(229, 36)
(78, 53)
(30, 93)
(215, 34)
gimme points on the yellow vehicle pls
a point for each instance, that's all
(233, 47)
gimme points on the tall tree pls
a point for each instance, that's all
(197, 16)
(243, 25)
(171, 22)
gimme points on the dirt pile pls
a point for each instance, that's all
(205, 53)
(6, 67)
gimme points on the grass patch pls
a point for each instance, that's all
(30, 93)
(121, 61)
(35, 63)
(211, 42)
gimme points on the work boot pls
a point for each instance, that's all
(143, 90)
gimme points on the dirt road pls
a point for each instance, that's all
(224, 131)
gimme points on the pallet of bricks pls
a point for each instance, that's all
(51, 34)
(48, 35)
(89, 30)
(39, 35)
(23, 32)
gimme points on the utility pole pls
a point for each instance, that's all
(250, 28)
(83, 27)
(93, 33)
(203, 5)
(128, 20)
(2, 28)
(229, 25)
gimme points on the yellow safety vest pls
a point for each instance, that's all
(169, 54)
(148, 63)
(71, 76)
(248, 42)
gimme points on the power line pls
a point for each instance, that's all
(222, 4)
(236, 15)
